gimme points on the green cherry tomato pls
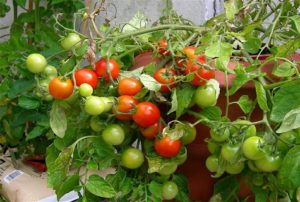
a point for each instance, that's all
(96, 125)
(182, 157)
(71, 41)
(85, 90)
(132, 158)
(108, 103)
(234, 168)
(285, 139)
(252, 166)
(36, 63)
(230, 152)
(205, 96)
(252, 148)
(269, 163)
(169, 190)
(257, 179)
(212, 146)
(50, 71)
(212, 163)
(244, 127)
(113, 134)
(168, 169)
(190, 133)
(220, 135)
(93, 105)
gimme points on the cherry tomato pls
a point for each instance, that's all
(189, 52)
(162, 47)
(182, 157)
(169, 190)
(212, 163)
(104, 70)
(96, 125)
(168, 169)
(244, 127)
(166, 147)
(146, 114)
(108, 103)
(72, 40)
(235, 168)
(205, 96)
(212, 146)
(86, 76)
(93, 105)
(252, 148)
(219, 135)
(285, 139)
(113, 134)
(269, 163)
(36, 63)
(132, 158)
(230, 152)
(125, 104)
(85, 90)
(190, 133)
(252, 166)
(151, 131)
(61, 89)
(129, 86)
(200, 74)
(166, 77)
(50, 71)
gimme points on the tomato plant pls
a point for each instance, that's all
(166, 77)
(86, 76)
(60, 89)
(107, 69)
(166, 147)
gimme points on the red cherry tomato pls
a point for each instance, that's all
(165, 77)
(129, 86)
(152, 131)
(61, 89)
(146, 114)
(166, 147)
(201, 75)
(162, 47)
(86, 76)
(105, 70)
(125, 104)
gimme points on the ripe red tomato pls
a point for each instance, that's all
(129, 86)
(61, 89)
(125, 104)
(102, 66)
(166, 147)
(165, 77)
(146, 114)
(152, 131)
(86, 76)
(201, 75)
(162, 47)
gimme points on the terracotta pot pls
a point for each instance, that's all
(200, 181)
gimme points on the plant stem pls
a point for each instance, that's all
(274, 85)
(37, 15)
(15, 6)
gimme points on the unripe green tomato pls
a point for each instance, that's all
(132, 158)
(212, 163)
(169, 190)
(50, 71)
(108, 103)
(235, 168)
(71, 41)
(212, 146)
(257, 179)
(230, 152)
(168, 169)
(182, 157)
(205, 96)
(220, 135)
(113, 134)
(269, 163)
(85, 90)
(94, 105)
(288, 138)
(252, 166)
(48, 97)
(190, 133)
(247, 129)
(252, 148)
(96, 125)
(36, 63)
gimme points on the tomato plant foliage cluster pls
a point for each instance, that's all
(80, 93)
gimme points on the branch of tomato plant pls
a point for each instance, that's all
(37, 15)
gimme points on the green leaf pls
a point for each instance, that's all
(150, 68)
(135, 73)
(28, 102)
(288, 175)
(296, 21)
(67, 66)
(58, 120)
(232, 8)
(21, 3)
(59, 168)
(245, 103)
(137, 22)
(182, 184)
(218, 49)
(155, 189)
(285, 69)
(68, 185)
(260, 194)
(21, 87)
(3, 110)
(290, 121)
(98, 186)
(240, 79)
(261, 96)
(177, 131)
(285, 99)
(227, 187)
(107, 49)
(35, 132)
(211, 113)
(252, 45)
(150, 83)
(185, 96)
(288, 48)
(105, 153)
(174, 103)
